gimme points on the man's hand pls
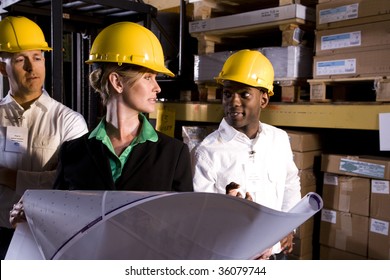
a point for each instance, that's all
(287, 243)
(233, 190)
(17, 215)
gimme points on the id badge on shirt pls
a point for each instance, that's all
(16, 139)
(253, 177)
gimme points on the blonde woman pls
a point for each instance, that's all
(124, 152)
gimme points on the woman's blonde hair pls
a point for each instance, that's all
(98, 78)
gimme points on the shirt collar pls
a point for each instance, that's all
(43, 101)
(147, 132)
(228, 132)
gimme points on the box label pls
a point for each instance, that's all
(380, 187)
(336, 67)
(330, 179)
(343, 40)
(362, 168)
(329, 216)
(378, 226)
(339, 13)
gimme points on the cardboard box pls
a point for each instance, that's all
(380, 199)
(379, 240)
(372, 63)
(347, 194)
(253, 19)
(289, 63)
(306, 189)
(303, 141)
(305, 160)
(344, 231)
(208, 66)
(329, 253)
(303, 246)
(307, 177)
(361, 37)
(361, 166)
(342, 13)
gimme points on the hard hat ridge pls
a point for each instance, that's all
(18, 33)
(248, 67)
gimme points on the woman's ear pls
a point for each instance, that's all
(264, 99)
(116, 82)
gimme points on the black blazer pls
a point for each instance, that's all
(152, 166)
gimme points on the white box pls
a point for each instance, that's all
(253, 18)
(289, 63)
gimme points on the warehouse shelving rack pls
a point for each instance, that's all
(70, 27)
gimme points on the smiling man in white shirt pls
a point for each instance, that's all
(32, 124)
(245, 157)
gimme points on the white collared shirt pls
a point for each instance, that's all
(48, 124)
(263, 166)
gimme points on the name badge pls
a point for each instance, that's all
(16, 139)
(253, 177)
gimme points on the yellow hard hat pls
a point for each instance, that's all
(129, 42)
(248, 67)
(21, 34)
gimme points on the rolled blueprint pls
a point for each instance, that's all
(150, 225)
(311, 202)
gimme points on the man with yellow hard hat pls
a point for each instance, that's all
(245, 157)
(32, 124)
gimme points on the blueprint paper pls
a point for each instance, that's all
(125, 225)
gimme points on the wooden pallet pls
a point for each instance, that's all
(209, 92)
(288, 32)
(292, 91)
(285, 25)
(350, 89)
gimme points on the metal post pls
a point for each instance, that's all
(57, 57)
(181, 36)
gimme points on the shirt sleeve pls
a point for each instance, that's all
(204, 177)
(71, 125)
(75, 126)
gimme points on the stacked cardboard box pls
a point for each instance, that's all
(220, 31)
(352, 41)
(329, 253)
(291, 62)
(356, 214)
(379, 233)
(306, 147)
(292, 65)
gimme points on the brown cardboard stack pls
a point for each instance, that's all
(329, 253)
(306, 147)
(379, 233)
(352, 41)
(346, 193)
(222, 28)
(356, 214)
